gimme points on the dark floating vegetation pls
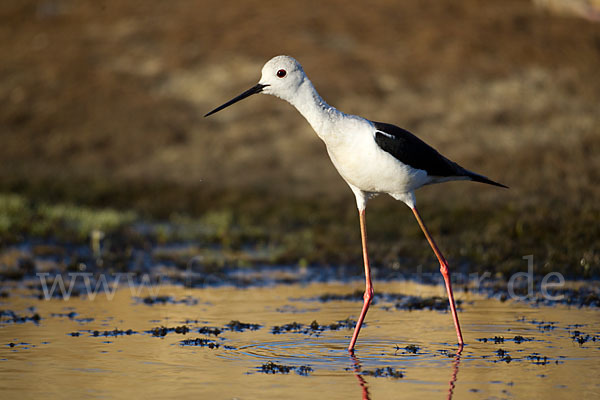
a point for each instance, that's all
(411, 348)
(22, 345)
(293, 327)
(273, 368)
(314, 328)
(402, 301)
(542, 325)
(535, 358)
(208, 330)
(495, 339)
(70, 315)
(200, 342)
(115, 332)
(448, 353)
(503, 355)
(152, 300)
(204, 342)
(7, 316)
(304, 370)
(518, 339)
(582, 338)
(347, 323)
(426, 303)
(357, 295)
(237, 326)
(538, 359)
(161, 331)
(585, 296)
(385, 372)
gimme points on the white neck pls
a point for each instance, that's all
(320, 115)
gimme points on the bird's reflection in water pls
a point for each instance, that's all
(455, 365)
(365, 387)
(361, 381)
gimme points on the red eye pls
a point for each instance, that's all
(281, 73)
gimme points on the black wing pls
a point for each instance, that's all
(414, 152)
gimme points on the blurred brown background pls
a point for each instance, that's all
(102, 104)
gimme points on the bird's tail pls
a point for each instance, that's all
(480, 178)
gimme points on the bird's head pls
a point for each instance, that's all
(281, 77)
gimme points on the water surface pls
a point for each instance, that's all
(62, 356)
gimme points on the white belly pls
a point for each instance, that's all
(363, 164)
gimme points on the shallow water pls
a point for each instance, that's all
(46, 360)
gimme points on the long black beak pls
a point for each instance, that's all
(253, 90)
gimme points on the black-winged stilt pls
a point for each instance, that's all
(372, 157)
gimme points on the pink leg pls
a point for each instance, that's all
(445, 272)
(368, 297)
